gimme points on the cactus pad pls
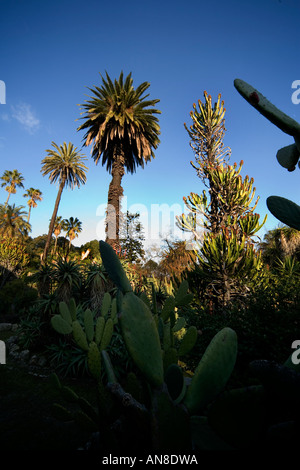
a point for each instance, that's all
(61, 325)
(141, 338)
(288, 212)
(213, 371)
(114, 267)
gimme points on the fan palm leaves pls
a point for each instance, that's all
(121, 126)
(72, 227)
(63, 164)
(11, 181)
(33, 196)
(12, 221)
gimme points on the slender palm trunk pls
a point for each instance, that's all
(29, 212)
(52, 222)
(6, 202)
(115, 193)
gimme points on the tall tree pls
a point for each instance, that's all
(280, 243)
(72, 228)
(122, 127)
(65, 165)
(132, 237)
(33, 196)
(12, 180)
(12, 221)
(58, 226)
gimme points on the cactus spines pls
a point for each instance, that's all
(61, 325)
(267, 109)
(288, 212)
(80, 336)
(213, 370)
(288, 157)
(100, 324)
(114, 267)
(94, 360)
(188, 341)
(107, 333)
(89, 325)
(141, 338)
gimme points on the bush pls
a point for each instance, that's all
(16, 296)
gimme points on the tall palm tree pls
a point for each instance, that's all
(280, 243)
(73, 228)
(33, 195)
(12, 222)
(65, 165)
(122, 127)
(12, 180)
(58, 227)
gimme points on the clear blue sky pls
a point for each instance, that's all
(50, 52)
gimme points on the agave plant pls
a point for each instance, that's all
(68, 279)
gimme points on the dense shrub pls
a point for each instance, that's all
(16, 296)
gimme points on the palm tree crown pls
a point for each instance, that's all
(12, 180)
(33, 195)
(121, 125)
(12, 221)
(118, 118)
(65, 165)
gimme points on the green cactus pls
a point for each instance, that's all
(89, 325)
(94, 360)
(107, 333)
(267, 109)
(114, 267)
(288, 212)
(213, 370)
(288, 156)
(100, 324)
(283, 209)
(61, 325)
(188, 341)
(106, 303)
(65, 312)
(80, 336)
(141, 338)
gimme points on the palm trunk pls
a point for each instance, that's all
(115, 193)
(52, 222)
(6, 202)
(29, 211)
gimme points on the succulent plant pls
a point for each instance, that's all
(283, 209)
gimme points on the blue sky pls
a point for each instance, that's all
(52, 51)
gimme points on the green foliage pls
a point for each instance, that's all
(16, 296)
(13, 258)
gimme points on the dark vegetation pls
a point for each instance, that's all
(124, 335)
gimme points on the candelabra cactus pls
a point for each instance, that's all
(283, 209)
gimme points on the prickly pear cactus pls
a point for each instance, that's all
(284, 210)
